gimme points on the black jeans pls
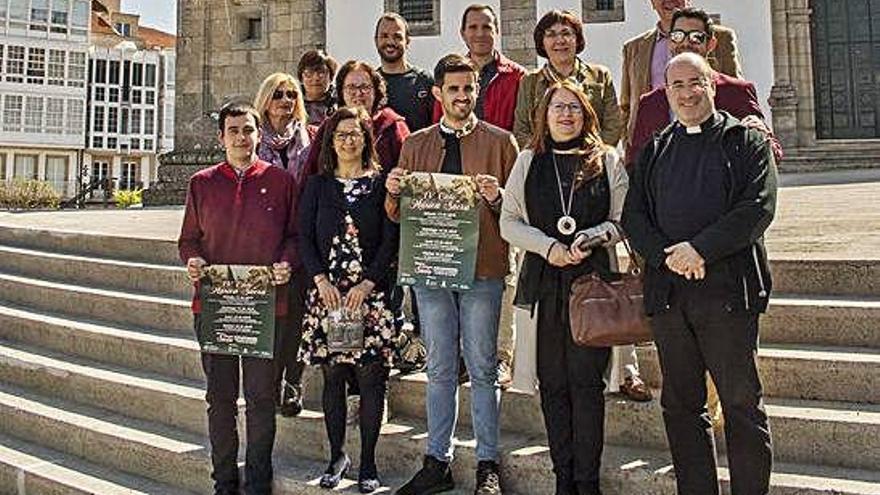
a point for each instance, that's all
(222, 373)
(572, 400)
(701, 331)
(289, 337)
(372, 379)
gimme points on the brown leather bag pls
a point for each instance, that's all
(605, 314)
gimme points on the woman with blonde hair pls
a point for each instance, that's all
(284, 143)
(560, 204)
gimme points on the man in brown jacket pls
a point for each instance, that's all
(461, 321)
(646, 55)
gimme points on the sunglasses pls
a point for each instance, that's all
(695, 37)
(289, 94)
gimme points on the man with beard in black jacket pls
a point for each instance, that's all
(703, 193)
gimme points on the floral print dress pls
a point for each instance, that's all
(381, 324)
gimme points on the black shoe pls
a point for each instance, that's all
(291, 401)
(434, 477)
(488, 479)
(335, 472)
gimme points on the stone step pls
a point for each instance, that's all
(173, 355)
(826, 277)
(92, 244)
(144, 278)
(851, 321)
(170, 456)
(846, 374)
(27, 468)
(139, 448)
(829, 433)
(127, 308)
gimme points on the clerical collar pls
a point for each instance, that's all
(468, 127)
(707, 124)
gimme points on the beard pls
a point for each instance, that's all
(390, 58)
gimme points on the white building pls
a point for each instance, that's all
(130, 99)
(43, 56)
(351, 36)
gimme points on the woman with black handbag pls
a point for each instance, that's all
(561, 199)
(347, 245)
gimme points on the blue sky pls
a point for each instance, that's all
(159, 14)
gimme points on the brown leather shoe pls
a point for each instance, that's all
(635, 389)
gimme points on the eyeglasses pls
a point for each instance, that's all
(289, 94)
(348, 136)
(695, 37)
(314, 73)
(566, 34)
(696, 85)
(357, 88)
(572, 108)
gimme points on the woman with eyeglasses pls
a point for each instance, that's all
(358, 84)
(284, 144)
(347, 246)
(316, 70)
(561, 199)
(559, 38)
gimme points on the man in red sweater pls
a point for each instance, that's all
(240, 211)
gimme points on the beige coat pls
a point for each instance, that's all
(637, 54)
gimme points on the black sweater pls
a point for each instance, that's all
(731, 244)
(322, 211)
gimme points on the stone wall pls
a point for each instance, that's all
(518, 19)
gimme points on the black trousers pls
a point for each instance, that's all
(372, 380)
(288, 339)
(223, 375)
(572, 400)
(701, 331)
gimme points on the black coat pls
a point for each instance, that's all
(733, 246)
(322, 210)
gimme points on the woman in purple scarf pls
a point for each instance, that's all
(280, 102)
(284, 144)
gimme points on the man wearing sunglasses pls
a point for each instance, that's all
(646, 55)
(692, 31)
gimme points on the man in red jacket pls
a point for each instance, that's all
(692, 31)
(240, 211)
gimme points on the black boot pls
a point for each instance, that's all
(291, 400)
(434, 477)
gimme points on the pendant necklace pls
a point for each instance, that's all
(566, 225)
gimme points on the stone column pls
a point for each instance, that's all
(792, 95)
(518, 19)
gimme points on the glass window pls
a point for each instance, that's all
(150, 98)
(123, 28)
(15, 64)
(57, 59)
(33, 114)
(114, 72)
(74, 116)
(13, 105)
(3, 13)
(97, 142)
(114, 95)
(169, 70)
(59, 11)
(148, 145)
(2, 155)
(149, 126)
(18, 10)
(135, 121)
(129, 176)
(2, 50)
(137, 74)
(136, 96)
(135, 145)
(76, 69)
(98, 119)
(100, 71)
(111, 143)
(99, 93)
(150, 75)
(124, 127)
(112, 119)
(25, 167)
(55, 115)
(80, 15)
(56, 172)
(36, 71)
(39, 14)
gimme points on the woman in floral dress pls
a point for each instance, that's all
(347, 245)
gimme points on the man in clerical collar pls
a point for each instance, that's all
(703, 194)
(461, 322)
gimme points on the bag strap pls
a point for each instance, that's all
(634, 267)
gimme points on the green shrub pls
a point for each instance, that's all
(128, 198)
(28, 194)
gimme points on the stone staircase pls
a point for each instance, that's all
(101, 390)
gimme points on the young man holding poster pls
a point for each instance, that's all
(461, 144)
(240, 212)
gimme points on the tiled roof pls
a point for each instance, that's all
(153, 37)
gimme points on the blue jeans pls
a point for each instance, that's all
(466, 320)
